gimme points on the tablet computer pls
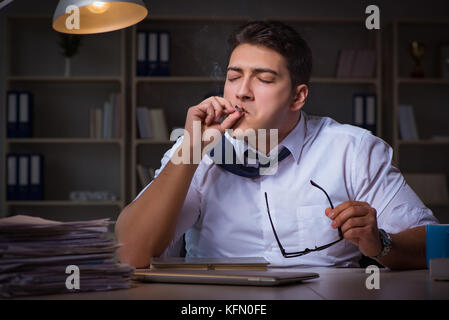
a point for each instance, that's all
(231, 277)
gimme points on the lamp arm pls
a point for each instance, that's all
(4, 3)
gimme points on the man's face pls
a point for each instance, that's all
(258, 81)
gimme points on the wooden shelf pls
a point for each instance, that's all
(439, 81)
(331, 80)
(152, 141)
(65, 79)
(173, 79)
(423, 142)
(45, 203)
(63, 140)
(197, 19)
(317, 20)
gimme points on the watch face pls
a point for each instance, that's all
(385, 237)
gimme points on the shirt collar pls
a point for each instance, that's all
(293, 141)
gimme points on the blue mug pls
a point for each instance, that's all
(437, 241)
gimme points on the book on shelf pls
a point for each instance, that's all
(407, 123)
(146, 174)
(190, 263)
(105, 123)
(364, 111)
(152, 124)
(24, 176)
(153, 53)
(19, 114)
(356, 63)
(430, 187)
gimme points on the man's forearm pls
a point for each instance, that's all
(408, 250)
(146, 226)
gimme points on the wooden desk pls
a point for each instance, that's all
(333, 283)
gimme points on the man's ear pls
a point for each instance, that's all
(299, 97)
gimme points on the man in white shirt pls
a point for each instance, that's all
(286, 216)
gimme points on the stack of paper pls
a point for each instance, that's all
(39, 256)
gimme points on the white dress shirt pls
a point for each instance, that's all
(225, 215)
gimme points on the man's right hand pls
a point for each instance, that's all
(208, 113)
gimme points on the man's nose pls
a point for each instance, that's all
(244, 92)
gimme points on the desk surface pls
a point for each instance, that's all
(333, 283)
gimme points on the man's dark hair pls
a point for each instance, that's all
(283, 39)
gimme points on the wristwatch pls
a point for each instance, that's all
(386, 244)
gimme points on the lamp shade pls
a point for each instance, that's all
(88, 16)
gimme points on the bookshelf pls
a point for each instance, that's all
(198, 67)
(429, 96)
(60, 118)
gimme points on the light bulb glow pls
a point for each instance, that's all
(98, 7)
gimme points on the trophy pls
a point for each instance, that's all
(417, 52)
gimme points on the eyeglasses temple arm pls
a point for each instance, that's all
(272, 226)
(340, 233)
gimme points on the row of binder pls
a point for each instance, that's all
(153, 53)
(364, 111)
(19, 107)
(24, 176)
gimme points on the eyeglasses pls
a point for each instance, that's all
(307, 250)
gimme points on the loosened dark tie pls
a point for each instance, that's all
(240, 169)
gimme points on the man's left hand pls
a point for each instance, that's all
(358, 224)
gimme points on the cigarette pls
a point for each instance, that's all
(227, 115)
(240, 109)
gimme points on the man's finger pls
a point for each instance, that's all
(343, 206)
(354, 222)
(219, 109)
(353, 211)
(231, 120)
(228, 106)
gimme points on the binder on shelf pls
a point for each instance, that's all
(153, 57)
(36, 177)
(107, 120)
(24, 123)
(158, 124)
(358, 110)
(12, 114)
(92, 121)
(142, 54)
(144, 123)
(98, 123)
(153, 53)
(164, 53)
(364, 111)
(116, 102)
(12, 188)
(407, 123)
(24, 176)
